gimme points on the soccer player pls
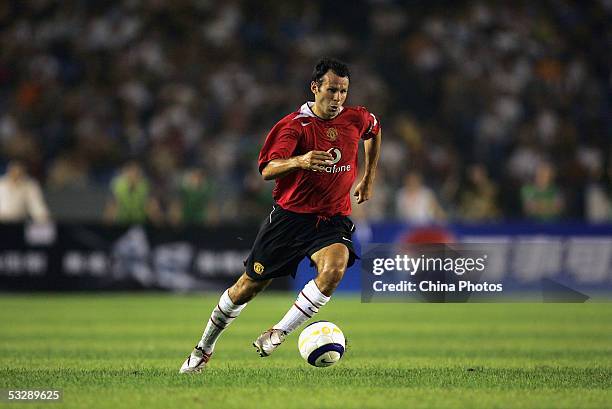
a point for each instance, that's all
(312, 156)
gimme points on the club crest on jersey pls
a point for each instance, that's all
(332, 134)
(258, 267)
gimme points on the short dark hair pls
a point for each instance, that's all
(325, 64)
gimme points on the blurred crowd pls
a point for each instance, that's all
(491, 110)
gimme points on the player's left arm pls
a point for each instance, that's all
(363, 190)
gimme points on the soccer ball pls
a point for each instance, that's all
(321, 343)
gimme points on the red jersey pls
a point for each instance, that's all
(322, 193)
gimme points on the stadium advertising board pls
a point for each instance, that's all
(521, 262)
(94, 257)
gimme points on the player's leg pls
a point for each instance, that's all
(331, 262)
(231, 303)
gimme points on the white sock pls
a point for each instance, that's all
(308, 302)
(222, 315)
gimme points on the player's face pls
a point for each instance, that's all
(330, 95)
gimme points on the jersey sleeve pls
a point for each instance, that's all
(371, 125)
(280, 144)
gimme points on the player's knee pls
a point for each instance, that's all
(245, 289)
(329, 278)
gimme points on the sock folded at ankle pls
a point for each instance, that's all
(222, 315)
(307, 304)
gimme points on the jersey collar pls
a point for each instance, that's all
(307, 112)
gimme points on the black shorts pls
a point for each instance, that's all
(285, 238)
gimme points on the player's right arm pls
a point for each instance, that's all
(313, 160)
(279, 155)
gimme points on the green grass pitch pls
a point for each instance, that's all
(124, 351)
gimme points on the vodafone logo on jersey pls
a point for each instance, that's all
(337, 154)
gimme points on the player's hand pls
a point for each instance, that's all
(363, 191)
(315, 160)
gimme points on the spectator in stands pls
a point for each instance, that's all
(81, 92)
(542, 199)
(598, 198)
(478, 196)
(256, 197)
(416, 203)
(192, 204)
(132, 201)
(20, 196)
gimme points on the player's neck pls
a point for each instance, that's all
(320, 113)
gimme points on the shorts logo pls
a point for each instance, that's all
(332, 134)
(258, 267)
